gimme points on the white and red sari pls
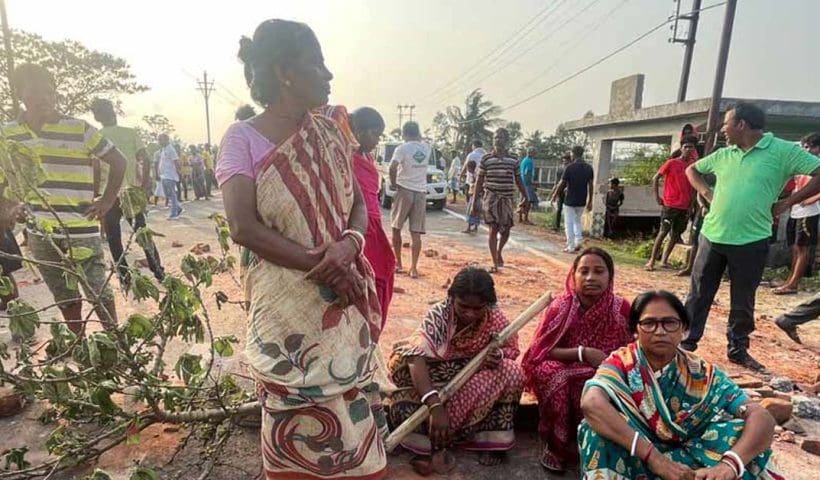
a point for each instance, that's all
(317, 363)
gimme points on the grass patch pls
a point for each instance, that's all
(779, 275)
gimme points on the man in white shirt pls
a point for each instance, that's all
(168, 170)
(408, 178)
(476, 155)
(453, 174)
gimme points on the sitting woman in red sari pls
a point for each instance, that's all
(579, 330)
(480, 414)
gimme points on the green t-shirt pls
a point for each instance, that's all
(748, 184)
(127, 141)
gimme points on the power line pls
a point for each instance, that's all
(509, 46)
(206, 87)
(601, 60)
(541, 40)
(499, 47)
(579, 40)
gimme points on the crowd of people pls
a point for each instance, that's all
(620, 393)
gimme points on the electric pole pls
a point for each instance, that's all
(411, 108)
(206, 87)
(401, 115)
(693, 17)
(720, 76)
(15, 105)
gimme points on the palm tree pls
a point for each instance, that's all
(474, 121)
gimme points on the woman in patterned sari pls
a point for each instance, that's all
(577, 332)
(295, 208)
(655, 411)
(480, 414)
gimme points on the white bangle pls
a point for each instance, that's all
(581, 353)
(737, 458)
(634, 444)
(428, 395)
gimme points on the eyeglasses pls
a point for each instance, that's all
(669, 324)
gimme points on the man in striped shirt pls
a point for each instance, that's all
(497, 180)
(66, 214)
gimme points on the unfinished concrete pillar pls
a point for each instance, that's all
(601, 163)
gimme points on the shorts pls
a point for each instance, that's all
(411, 205)
(454, 184)
(498, 211)
(674, 219)
(93, 267)
(8, 244)
(802, 231)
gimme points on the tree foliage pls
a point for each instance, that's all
(81, 74)
(82, 378)
(551, 148)
(642, 163)
(457, 127)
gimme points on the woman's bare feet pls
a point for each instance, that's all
(414, 273)
(492, 459)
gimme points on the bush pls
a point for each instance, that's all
(643, 165)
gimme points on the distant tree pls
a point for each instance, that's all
(475, 121)
(158, 124)
(81, 74)
(516, 137)
(641, 164)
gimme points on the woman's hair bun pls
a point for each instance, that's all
(246, 50)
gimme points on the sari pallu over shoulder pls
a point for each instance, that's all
(304, 347)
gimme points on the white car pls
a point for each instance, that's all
(437, 185)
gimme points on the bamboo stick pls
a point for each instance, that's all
(467, 372)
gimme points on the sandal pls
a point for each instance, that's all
(784, 291)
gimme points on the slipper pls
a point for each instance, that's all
(784, 291)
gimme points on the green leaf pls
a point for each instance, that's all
(55, 392)
(71, 281)
(142, 473)
(140, 326)
(23, 321)
(189, 367)
(6, 287)
(102, 398)
(102, 351)
(17, 457)
(142, 287)
(61, 338)
(223, 347)
(80, 254)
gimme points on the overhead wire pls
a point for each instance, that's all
(599, 61)
(537, 43)
(500, 48)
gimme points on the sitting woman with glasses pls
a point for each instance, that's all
(480, 414)
(581, 327)
(654, 410)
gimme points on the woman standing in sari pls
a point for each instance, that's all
(294, 206)
(480, 414)
(577, 333)
(655, 411)
(368, 126)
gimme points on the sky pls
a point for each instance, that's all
(432, 53)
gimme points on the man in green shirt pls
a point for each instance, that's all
(128, 141)
(751, 173)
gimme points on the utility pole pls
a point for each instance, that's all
(693, 17)
(206, 87)
(15, 105)
(401, 115)
(720, 76)
(411, 108)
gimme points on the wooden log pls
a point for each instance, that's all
(467, 372)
